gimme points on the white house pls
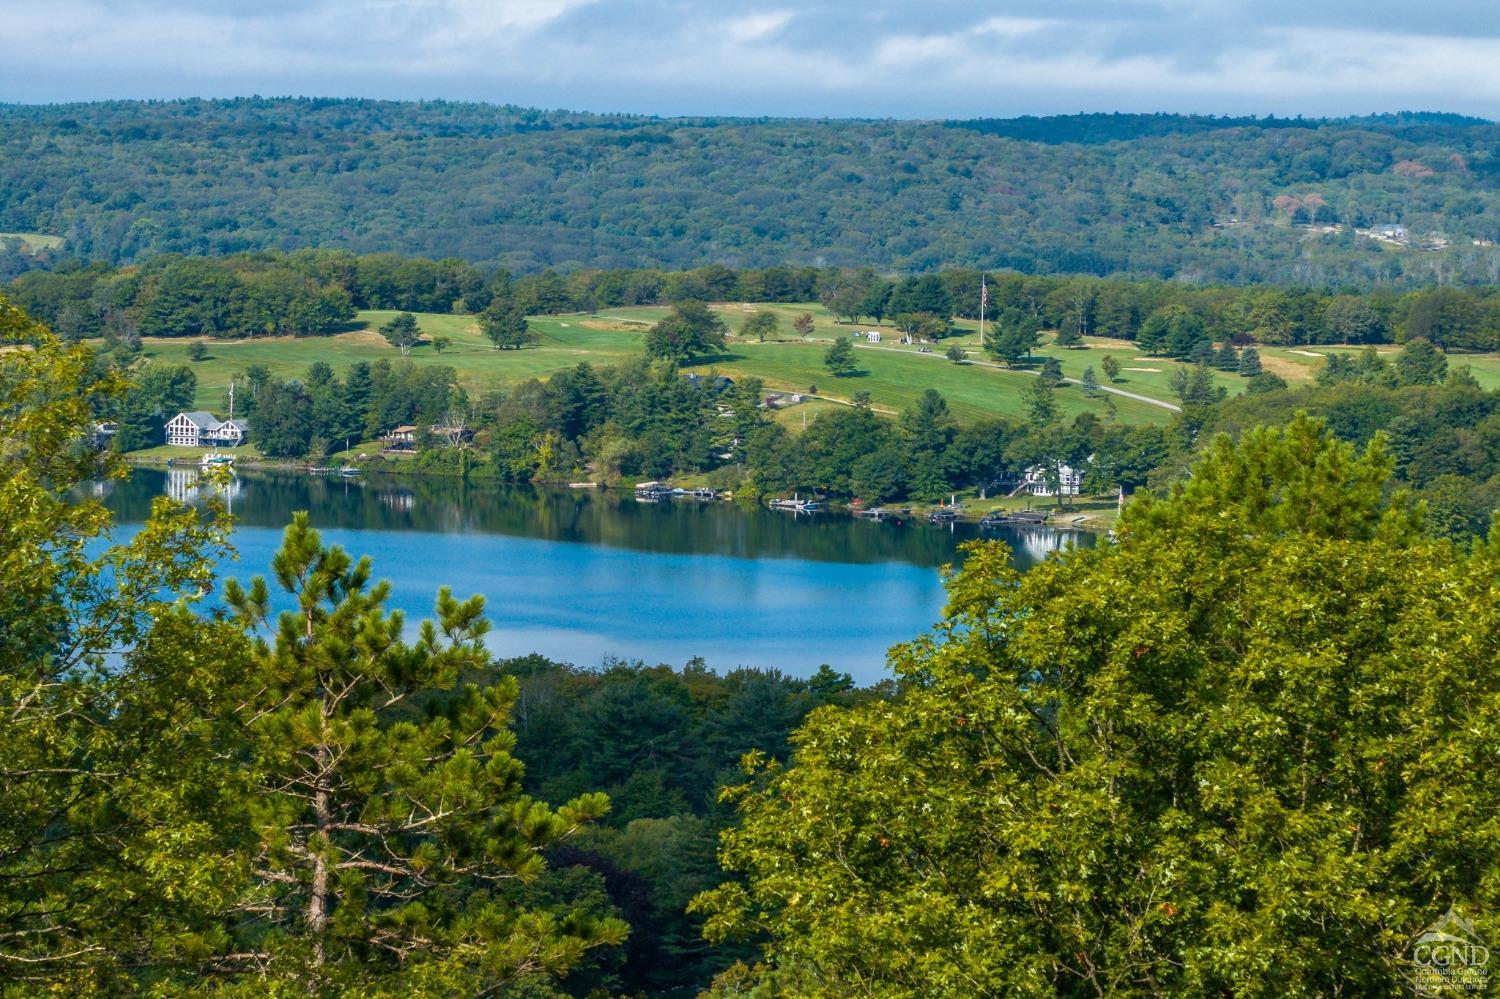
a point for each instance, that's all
(203, 429)
(1069, 481)
(873, 336)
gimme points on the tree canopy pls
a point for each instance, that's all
(1241, 751)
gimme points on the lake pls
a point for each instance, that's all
(585, 575)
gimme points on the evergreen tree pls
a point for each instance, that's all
(1249, 363)
(1051, 370)
(1090, 382)
(839, 358)
(1068, 336)
(391, 818)
(1226, 358)
(1420, 363)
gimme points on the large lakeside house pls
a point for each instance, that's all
(202, 429)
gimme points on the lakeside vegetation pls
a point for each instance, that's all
(1242, 749)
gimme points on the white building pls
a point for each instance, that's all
(202, 429)
(873, 336)
(1069, 480)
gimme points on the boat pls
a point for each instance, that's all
(944, 515)
(650, 492)
(797, 505)
(215, 460)
(874, 513)
(349, 471)
(1002, 518)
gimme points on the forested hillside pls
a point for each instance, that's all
(1198, 199)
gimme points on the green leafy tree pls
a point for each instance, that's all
(1172, 330)
(441, 343)
(761, 325)
(839, 358)
(1241, 751)
(197, 350)
(391, 818)
(1014, 342)
(1041, 402)
(402, 332)
(117, 847)
(957, 354)
(1068, 336)
(1111, 366)
(877, 298)
(159, 392)
(505, 326)
(692, 329)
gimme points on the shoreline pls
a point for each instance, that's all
(1093, 520)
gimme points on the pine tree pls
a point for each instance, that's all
(1068, 336)
(390, 814)
(1226, 358)
(1249, 363)
(839, 358)
(1090, 381)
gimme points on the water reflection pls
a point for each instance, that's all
(603, 517)
(584, 575)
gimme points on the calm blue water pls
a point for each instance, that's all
(584, 576)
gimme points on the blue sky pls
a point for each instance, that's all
(763, 57)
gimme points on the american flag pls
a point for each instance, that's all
(984, 293)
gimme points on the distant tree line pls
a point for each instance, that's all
(312, 292)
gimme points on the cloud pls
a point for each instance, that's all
(751, 57)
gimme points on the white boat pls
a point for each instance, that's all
(215, 460)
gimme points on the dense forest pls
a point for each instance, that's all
(1191, 199)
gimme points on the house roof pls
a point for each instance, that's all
(239, 425)
(404, 429)
(199, 419)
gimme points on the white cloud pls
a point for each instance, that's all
(871, 57)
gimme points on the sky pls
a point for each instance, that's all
(842, 58)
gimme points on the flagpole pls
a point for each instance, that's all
(984, 295)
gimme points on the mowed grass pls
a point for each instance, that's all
(564, 343)
(1301, 364)
(893, 378)
(34, 242)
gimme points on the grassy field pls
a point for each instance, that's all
(34, 242)
(893, 375)
(1300, 364)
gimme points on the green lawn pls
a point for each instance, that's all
(1300, 364)
(894, 379)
